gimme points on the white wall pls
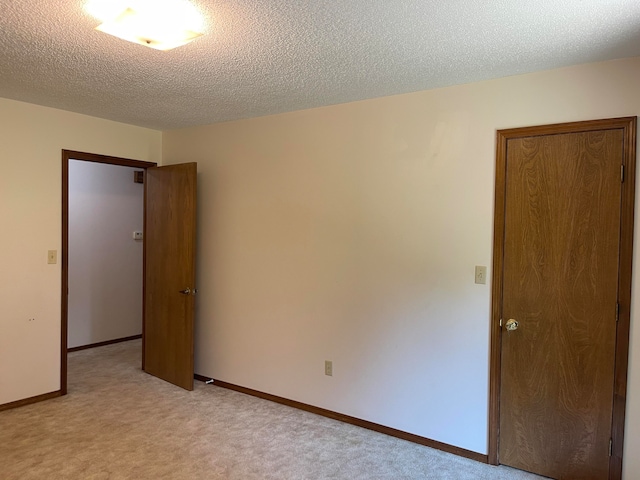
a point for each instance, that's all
(351, 232)
(31, 141)
(105, 262)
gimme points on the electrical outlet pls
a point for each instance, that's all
(481, 274)
(52, 257)
(328, 368)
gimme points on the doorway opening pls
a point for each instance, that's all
(69, 156)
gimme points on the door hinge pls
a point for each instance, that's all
(617, 312)
(622, 173)
(610, 446)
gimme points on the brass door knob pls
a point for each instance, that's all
(511, 325)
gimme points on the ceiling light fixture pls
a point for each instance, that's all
(159, 24)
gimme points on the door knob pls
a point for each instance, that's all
(511, 325)
(186, 291)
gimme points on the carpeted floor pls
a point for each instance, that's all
(119, 423)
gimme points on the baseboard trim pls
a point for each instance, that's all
(445, 447)
(102, 344)
(30, 400)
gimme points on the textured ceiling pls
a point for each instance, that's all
(261, 57)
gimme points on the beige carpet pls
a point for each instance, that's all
(119, 423)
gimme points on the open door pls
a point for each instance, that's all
(170, 249)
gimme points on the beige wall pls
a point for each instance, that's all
(350, 233)
(31, 140)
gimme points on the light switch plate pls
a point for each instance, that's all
(52, 257)
(481, 274)
(328, 368)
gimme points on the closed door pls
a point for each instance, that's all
(170, 241)
(561, 269)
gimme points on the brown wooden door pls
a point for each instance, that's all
(562, 222)
(170, 240)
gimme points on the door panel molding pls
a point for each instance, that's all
(629, 127)
(64, 314)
